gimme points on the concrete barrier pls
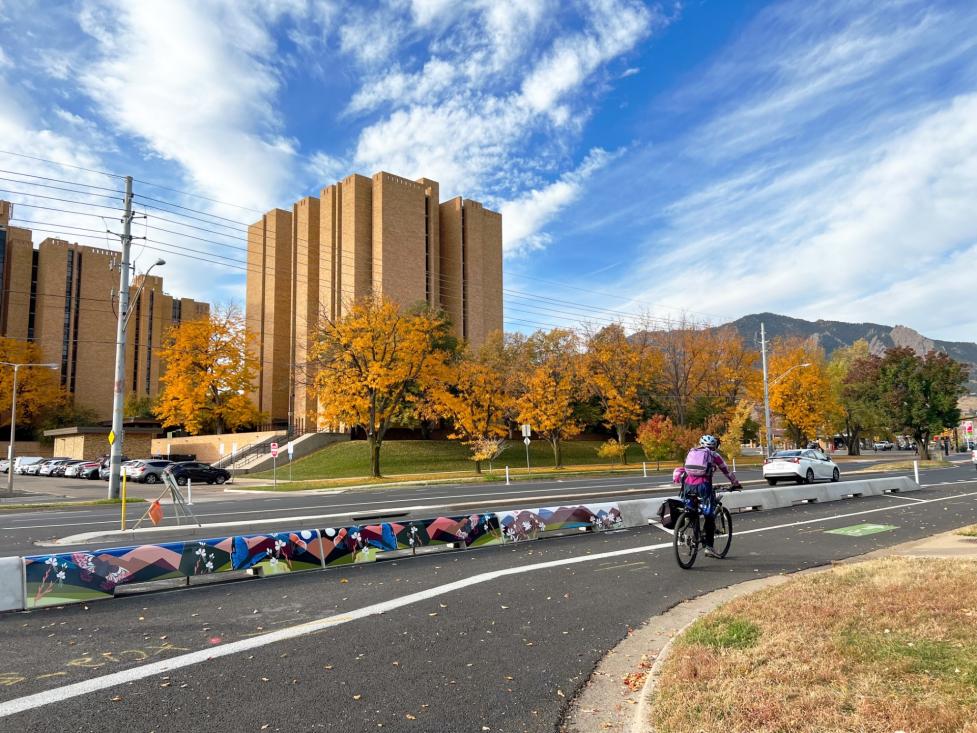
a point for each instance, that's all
(73, 577)
(11, 584)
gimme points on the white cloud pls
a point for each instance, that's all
(198, 88)
(524, 218)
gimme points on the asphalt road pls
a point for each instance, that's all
(393, 646)
(19, 531)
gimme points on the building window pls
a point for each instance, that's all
(464, 275)
(135, 345)
(66, 330)
(33, 303)
(74, 342)
(149, 342)
(427, 249)
(3, 271)
(177, 315)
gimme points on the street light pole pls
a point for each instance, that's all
(13, 421)
(766, 387)
(118, 392)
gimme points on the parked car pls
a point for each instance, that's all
(35, 468)
(4, 465)
(197, 472)
(103, 471)
(73, 469)
(147, 471)
(87, 470)
(801, 466)
(22, 462)
(61, 469)
(883, 445)
(48, 467)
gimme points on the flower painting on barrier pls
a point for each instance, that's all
(529, 524)
(282, 552)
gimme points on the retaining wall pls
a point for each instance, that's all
(74, 577)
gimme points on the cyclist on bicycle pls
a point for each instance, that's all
(696, 480)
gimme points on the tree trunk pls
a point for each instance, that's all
(854, 442)
(478, 466)
(374, 444)
(622, 434)
(557, 452)
(922, 440)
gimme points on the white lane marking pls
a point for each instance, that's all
(901, 497)
(39, 699)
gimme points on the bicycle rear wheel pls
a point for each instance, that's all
(724, 532)
(686, 540)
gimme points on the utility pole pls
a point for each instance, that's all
(115, 452)
(766, 387)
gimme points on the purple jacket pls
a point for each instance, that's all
(679, 475)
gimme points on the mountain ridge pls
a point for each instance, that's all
(831, 335)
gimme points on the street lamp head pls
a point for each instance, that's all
(51, 366)
(806, 364)
(160, 262)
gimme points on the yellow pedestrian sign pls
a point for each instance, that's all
(111, 437)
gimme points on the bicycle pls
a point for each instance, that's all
(689, 528)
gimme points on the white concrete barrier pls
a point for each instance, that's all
(11, 584)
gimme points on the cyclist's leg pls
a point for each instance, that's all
(707, 503)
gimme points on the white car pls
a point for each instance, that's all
(801, 466)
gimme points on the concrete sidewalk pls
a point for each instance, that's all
(618, 694)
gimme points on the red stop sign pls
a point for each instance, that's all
(274, 450)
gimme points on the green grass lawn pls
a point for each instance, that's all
(352, 459)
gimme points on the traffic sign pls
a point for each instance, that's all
(968, 427)
(527, 441)
(291, 449)
(111, 437)
(274, 450)
(527, 430)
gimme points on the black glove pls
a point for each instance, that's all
(736, 487)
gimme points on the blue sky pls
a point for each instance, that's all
(717, 158)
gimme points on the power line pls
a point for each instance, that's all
(196, 195)
(61, 180)
(63, 165)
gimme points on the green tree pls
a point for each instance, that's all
(853, 375)
(920, 393)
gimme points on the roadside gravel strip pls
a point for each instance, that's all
(143, 671)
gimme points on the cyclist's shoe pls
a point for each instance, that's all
(710, 552)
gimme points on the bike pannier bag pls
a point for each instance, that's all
(669, 511)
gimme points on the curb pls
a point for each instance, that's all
(673, 623)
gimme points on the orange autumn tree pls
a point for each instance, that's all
(618, 370)
(801, 395)
(38, 391)
(552, 385)
(474, 396)
(372, 361)
(209, 372)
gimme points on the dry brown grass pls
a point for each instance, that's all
(970, 531)
(878, 647)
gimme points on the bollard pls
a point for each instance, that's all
(507, 476)
(734, 465)
(644, 468)
(189, 491)
(916, 470)
(123, 501)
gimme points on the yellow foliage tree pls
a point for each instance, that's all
(802, 395)
(617, 370)
(551, 387)
(209, 372)
(370, 362)
(732, 437)
(38, 391)
(474, 396)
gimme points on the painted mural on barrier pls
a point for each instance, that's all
(281, 552)
(85, 576)
(346, 545)
(528, 524)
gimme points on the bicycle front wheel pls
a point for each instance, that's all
(724, 532)
(686, 540)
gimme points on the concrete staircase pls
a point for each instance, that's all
(258, 458)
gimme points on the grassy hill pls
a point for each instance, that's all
(351, 459)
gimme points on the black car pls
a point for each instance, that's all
(197, 472)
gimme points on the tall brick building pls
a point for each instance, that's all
(59, 295)
(384, 234)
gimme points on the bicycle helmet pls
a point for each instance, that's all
(709, 441)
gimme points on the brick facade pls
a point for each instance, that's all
(60, 296)
(384, 234)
